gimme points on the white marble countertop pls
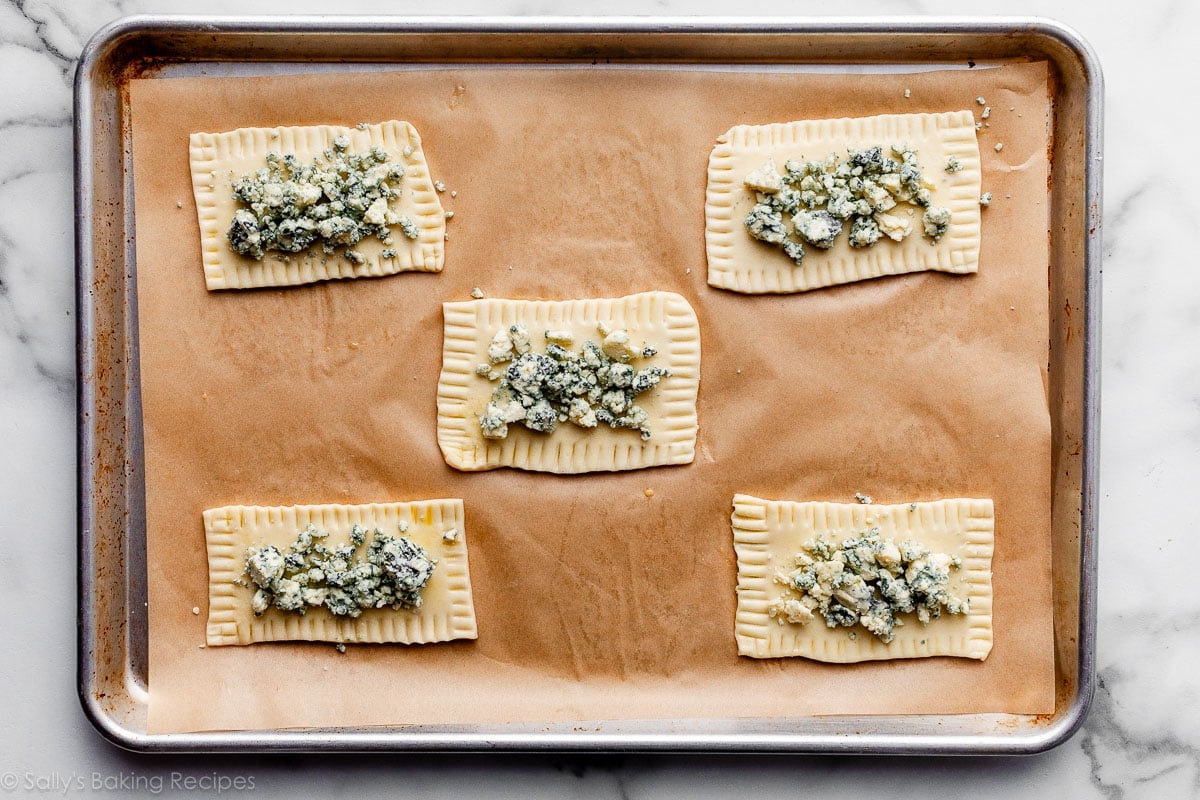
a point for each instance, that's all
(1142, 738)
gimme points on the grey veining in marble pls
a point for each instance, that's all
(1142, 739)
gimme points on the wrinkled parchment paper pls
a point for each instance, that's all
(594, 601)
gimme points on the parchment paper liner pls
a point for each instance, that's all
(597, 601)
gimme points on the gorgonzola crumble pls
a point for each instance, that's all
(337, 200)
(597, 385)
(812, 202)
(345, 580)
(869, 581)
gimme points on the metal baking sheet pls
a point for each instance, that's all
(112, 668)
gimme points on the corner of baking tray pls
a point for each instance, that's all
(106, 40)
(1076, 43)
(104, 724)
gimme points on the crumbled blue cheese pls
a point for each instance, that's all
(265, 566)
(766, 178)
(812, 202)
(985, 199)
(869, 581)
(953, 164)
(895, 228)
(597, 385)
(999, 146)
(987, 112)
(766, 224)
(617, 345)
(980, 100)
(477, 293)
(450, 535)
(441, 187)
(936, 220)
(518, 334)
(391, 574)
(337, 200)
(501, 348)
(865, 499)
(408, 227)
(818, 228)
(864, 232)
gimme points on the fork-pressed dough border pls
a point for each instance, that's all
(447, 611)
(218, 158)
(767, 534)
(739, 263)
(662, 319)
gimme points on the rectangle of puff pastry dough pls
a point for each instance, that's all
(738, 262)
(767, 534)
(217, 159)
(447, 611)
(663, 320)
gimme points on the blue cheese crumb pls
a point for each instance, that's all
(999, 146)
(936, 221)
(865, 499)
(953, 164)
(985, 199)
(408, 227)
(441, 187)
(766, 178)
(980, 101)
(341, 648)
(450, 535)
(477, 293)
